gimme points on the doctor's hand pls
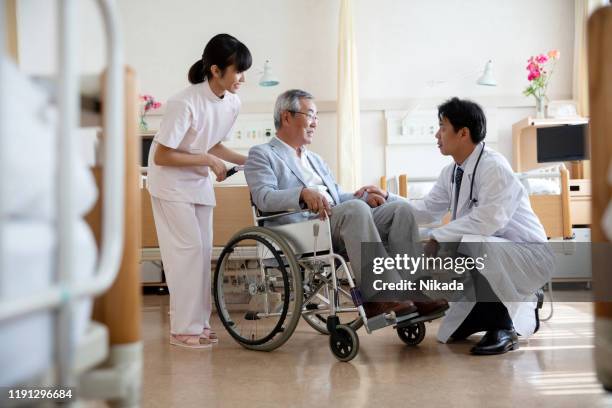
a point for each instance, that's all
(216, 165)
(316, 202)
(371, 189)
(374, 200)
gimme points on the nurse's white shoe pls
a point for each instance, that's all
(187, 341)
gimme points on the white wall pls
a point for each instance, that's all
(401, 45)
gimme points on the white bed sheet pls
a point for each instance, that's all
(27, 343)
(31, 149)
(29, 218)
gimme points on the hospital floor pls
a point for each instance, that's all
(554, 368)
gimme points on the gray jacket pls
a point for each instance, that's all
(276, 182)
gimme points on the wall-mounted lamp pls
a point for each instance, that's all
(268, 79)
(487, 77)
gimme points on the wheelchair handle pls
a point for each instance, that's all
(230, 172)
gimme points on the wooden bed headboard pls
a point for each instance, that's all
(120, 307)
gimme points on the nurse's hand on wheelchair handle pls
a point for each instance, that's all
(316, 202)
(216, 165)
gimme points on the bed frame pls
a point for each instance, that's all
(114, 341)
(553, 210)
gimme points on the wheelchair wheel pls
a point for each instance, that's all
(316, 305)
(344, 344)
(413, 334)
(258, 289)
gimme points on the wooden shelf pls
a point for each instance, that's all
(524, 142)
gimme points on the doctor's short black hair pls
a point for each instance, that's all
(222, 50)
(464, 113)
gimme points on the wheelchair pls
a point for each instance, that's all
(266, 278)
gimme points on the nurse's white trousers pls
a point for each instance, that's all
(184, 233)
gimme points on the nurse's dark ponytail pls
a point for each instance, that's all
(222, 50)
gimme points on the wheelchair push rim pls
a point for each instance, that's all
(258, 300)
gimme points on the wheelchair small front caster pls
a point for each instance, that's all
(413, 334)
(344, 343)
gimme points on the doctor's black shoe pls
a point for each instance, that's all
(497, 341)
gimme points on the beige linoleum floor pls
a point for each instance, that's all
(554, 368)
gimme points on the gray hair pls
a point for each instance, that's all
(288, 101)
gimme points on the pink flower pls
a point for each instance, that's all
(533, 75)
(534, 71)
(541, 59)
(540, 68)
(149, 103)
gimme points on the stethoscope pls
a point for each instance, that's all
(473, 201)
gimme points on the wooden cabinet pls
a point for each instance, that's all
(580, 201)
(524, 145)
(232, 213)
(149, 234)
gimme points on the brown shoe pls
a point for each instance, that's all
(400, 308)
(431, 307)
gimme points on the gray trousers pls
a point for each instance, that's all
(392, 224)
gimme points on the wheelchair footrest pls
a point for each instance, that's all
(419, 319)
(388, 319)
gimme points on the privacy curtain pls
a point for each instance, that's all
(582, 11)
(349, 139)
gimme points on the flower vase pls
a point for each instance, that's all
(540, 107)
(144, 127)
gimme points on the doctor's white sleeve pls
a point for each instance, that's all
(498, 199)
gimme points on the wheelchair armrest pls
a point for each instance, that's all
(261, 216)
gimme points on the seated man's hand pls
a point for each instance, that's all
(316, 202)
(374, 200)
(371, 189)
(431, 248)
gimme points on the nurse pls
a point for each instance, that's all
(185, 154)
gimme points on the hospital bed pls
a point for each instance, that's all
(548, 190)
(51, 266)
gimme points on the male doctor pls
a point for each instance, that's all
(490, 211)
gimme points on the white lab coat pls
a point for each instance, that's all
(502, 214)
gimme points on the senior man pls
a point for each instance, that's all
(283, 174)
